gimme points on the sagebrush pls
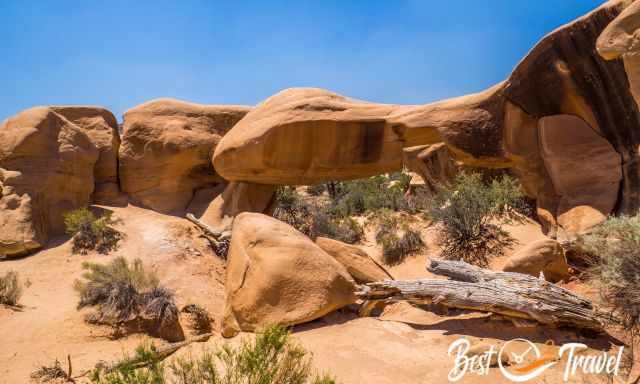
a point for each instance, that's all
(91, 233)
(614, 250)
(272, 358)
(470, 211)
(398, 240)
(10, 288)
(123, 293)
(332, 215)
(313, 219)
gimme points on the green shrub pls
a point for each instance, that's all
(314, 219)
(293, 210)
(346, 229)
(470, 211)
(128, 371)
(614, 247)
(362, 196)
(123, 294)
(316, 190)
(10, 288)
(398, 240)
(91, 233)
(272, 358)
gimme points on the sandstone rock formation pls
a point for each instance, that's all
(102, 128)
(358, 263)
(277, 275)
(236, 198)
(166, 150)
(546, 256)
(46, 169)
(307, 136)
(434, 163)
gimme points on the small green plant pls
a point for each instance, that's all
(470, 211)
(314, 219)
(144, 367)
(272, 358)
(614, 250)
(124, 294)
(362, 196)
(316, 190)
(10, 289)
(293, 210)
(347, 229)
(91, 233)
(398, 240)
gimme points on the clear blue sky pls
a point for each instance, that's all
(121, 53)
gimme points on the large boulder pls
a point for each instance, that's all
(102, 129)
(359, 264)
(277, 275)
(46, 169)
(545, 255)
(166, 150)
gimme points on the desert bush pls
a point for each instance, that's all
(345, 229)
(614, 250)
(51, 373)
(314, 219)
(10, 288)
(91, 233)
(368, 195)
(199, 318)
(316, 190)
(272, 358)
(470, 211)
(293, 210)
(128, 371)
(124, 293)
(398, 240)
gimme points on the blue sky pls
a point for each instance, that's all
(121, 53)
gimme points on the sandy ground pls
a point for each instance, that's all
(404, 345)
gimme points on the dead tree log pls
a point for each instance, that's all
(219, 240)
(510, 294)
(206, 228)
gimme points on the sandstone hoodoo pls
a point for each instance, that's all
(277, 275)
(102, 128)
(166, 150)
(46, 169)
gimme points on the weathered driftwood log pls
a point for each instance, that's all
(207, 229)
(506, 293)
(219, 240)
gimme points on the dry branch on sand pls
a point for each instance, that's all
(219, 240)
(507, 293)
